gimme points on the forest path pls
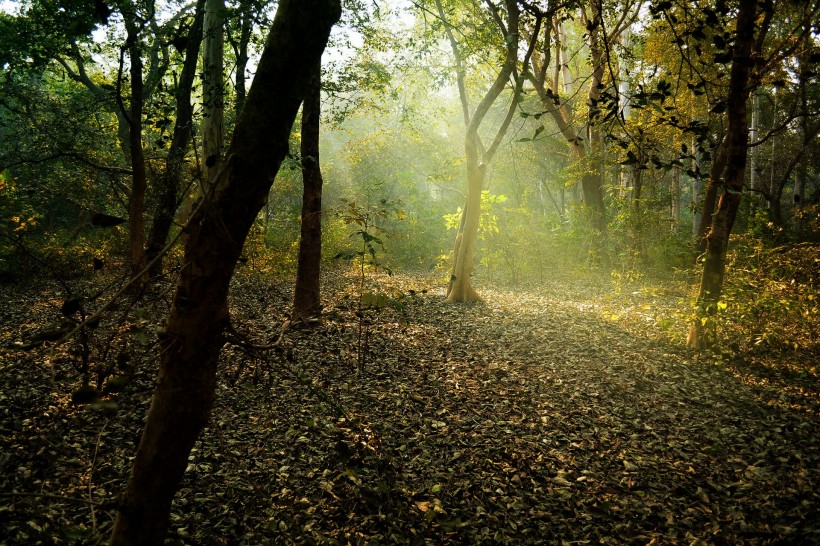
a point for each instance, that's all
(543, 416)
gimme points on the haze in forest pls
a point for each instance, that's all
(429, 271)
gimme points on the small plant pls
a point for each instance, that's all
(369, 223)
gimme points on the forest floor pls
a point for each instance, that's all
(557, 415)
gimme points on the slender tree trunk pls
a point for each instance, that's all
(697, 190)
(241, 52)
(477, 157)
(710, 198)
(307, 296)
(193, 336)
(754, 175)
(736, 147)
(799, 196)
(139, 180)
(213, 89)
(676, 195)
(592, 184)
(168, 198)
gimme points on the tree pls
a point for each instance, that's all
(169, 182)
(306, 297)
(583, 139)
(194, 332)
(736, 151)
(478, 157)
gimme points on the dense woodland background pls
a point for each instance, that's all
(513, 272)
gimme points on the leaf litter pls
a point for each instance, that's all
(530, 418)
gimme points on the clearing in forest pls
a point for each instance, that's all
(546, 416)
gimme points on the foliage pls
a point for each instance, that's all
(368, 223)
(770, 303)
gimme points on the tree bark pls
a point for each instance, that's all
(307, 295)
(168, 198)
(193, 335)
(736, 149)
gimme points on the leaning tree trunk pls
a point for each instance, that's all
(168, 198)
(193, 335)
(736, 150)
(306, 297)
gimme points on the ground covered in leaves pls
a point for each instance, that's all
(550, 416)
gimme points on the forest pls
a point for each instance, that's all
(409, 272)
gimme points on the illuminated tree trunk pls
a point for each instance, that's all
(736, 149)
(676, 195)
(307, 295)
(460, 287)
(193, 335)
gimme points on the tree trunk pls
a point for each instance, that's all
(139, 180)
(736, 148)
(799, 196)
(709, 199)
(193, 336)
(754, 175)
(306, 297)
(168, 198)
(213, 89)
(676, 194)
(697, 190)
(241, 53)
(461, 288)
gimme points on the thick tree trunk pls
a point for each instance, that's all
(168, 198)
(193, 336)
(736, 148)
(307, 295)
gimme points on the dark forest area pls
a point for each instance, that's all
(409, 272)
